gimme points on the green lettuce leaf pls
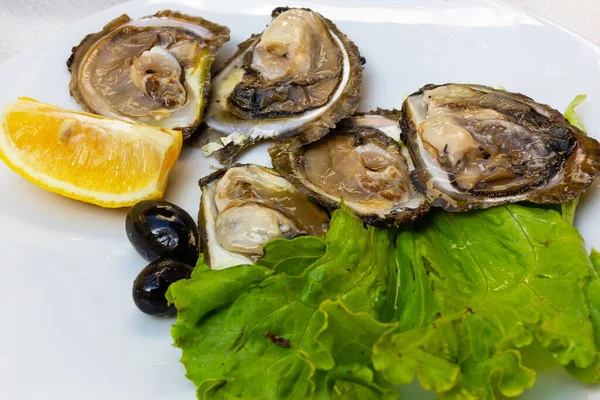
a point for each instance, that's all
(568, 209)
(591, 374)
(475, 287)
(276, 330)
(570, 113)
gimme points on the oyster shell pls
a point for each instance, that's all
(245, 206)
(154, 70)
(476, 147)
(361, 161)
(299, 77)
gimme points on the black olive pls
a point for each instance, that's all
(151, 284)
(158, 229)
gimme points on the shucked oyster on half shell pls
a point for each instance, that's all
(154, 70)
(245, 206)
(362, 162)
(299, 77)
(476, 147)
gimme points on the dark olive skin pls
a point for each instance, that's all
(150, 286)
(158, 229)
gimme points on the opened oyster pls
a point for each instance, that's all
(360, 161)
(244, 207)
(475, 147)
(300, 76)
(154, 70)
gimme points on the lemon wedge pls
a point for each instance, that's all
(98, 160)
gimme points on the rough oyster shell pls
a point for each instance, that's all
(283, 82)
(247, 205)
(476, 147)
(361, 161)
(154, 70)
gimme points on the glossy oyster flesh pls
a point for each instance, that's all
(244, 207)
(361, 161)
(154, 70)
(476, 147)
(299, 77)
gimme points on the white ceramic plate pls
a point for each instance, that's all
(69, 328)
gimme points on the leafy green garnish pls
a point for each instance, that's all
(571, 114)
(348, 316)
(475, 287)
(225, 318)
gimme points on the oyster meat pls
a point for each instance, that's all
(476, 147)
(299, 77)
(362, 162)
(245, 206)
(154, 70)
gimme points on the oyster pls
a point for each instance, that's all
(154, 70)
(300, 76)
(245, 206)
(476, 147)
(361, 161)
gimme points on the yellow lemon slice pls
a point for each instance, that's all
(87, 157)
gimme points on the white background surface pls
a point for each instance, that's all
(69, 329)
(23, 22)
